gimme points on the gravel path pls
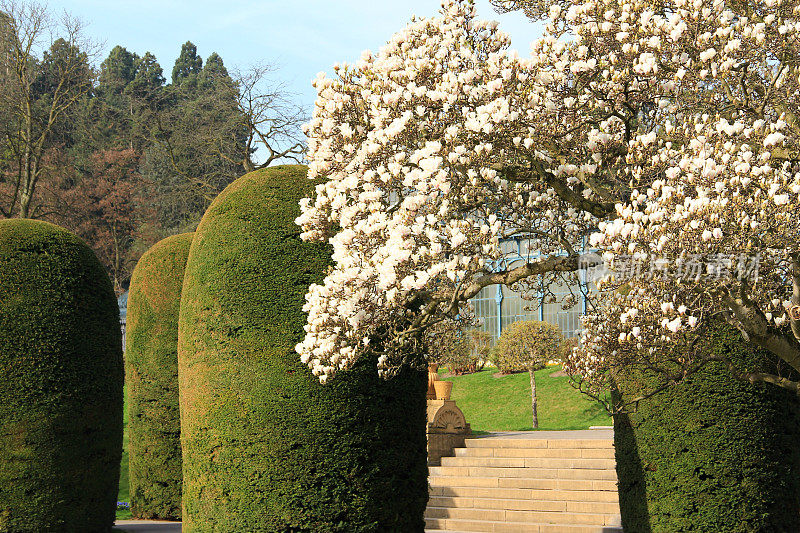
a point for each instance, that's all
(147, 526)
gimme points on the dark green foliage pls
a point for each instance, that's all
(64, 64)
(201, 139)
(712, 454)
(151, 358)
(148, 80)
(187, 66)
(215, 73)
(61, 379)
(64, 69)
(110, 120)
(265, 446)
(118, 70)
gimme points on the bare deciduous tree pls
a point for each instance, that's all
(36, 94)
(271, 118)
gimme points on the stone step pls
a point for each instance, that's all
(541, 482)
(525, 472)
(499, 442)
(531, 462)
(605, 496)
(538, 517)
(563, 453)
(522, 483)
(515, 504)
(437, 522)
(474, 526)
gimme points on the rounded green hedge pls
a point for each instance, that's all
(712, 454)
(151, 357)
(265, 446)
(61, 376)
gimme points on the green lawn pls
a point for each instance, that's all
(504, 403)
(123, 495)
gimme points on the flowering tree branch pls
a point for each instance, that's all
(660, 132)
(754, 326)
(538, 172)
(758, 377)
(510, 277)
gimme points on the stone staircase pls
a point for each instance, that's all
(527, 482)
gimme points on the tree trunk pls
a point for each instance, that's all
(31, 159)
(533, 398)
(28, 186)
(248, 164)
(24, 205)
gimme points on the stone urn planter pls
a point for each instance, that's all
(443, 389)
(433, 377)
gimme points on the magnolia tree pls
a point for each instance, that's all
(659, 133)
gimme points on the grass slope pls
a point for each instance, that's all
(504, 403)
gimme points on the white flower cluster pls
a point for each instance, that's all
(407, 143)
(723, 192)
(668, 126)
(717, 175)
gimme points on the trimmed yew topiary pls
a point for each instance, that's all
(151, 356)
(61, 376)
(711, 454)
(266, 447)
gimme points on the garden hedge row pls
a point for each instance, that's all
(61, 376)
(712, 454)
(265, 446)
(151, 356)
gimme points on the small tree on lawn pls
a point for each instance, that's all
(528, 345)
(462, 352)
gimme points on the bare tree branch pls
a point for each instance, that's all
(271, 118)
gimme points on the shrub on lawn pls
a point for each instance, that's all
(265, 446)
(526, 345)
(480, 346)
(151, 357)
(462, 352)
(448, 346)
(713, 453)
(61, 376)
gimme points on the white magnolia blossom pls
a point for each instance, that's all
(643, 129)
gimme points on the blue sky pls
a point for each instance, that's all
(302, 38)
